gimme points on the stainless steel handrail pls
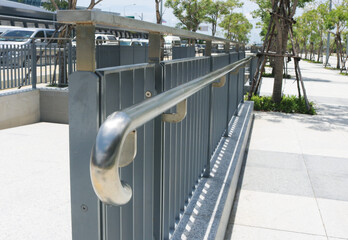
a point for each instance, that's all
(106, 153)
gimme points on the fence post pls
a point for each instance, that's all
(238, 80)
(227, 50)
(210, 121)
(154, 52)
(33, 65)
(70, 65)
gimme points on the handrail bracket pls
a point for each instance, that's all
(181, 111)
(220, 83)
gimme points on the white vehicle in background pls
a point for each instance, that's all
(140, 42)
(14, 44)
(101, 39)
(105, 39)
(7, 28)
(169, 43)
(125, 42)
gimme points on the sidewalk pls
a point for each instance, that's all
(295, 182)
(35, 182)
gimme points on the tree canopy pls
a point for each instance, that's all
(190, 13)
(237, 26)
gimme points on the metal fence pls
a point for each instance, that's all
(29, 64)
(161, 187)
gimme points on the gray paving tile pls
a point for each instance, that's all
(239, 232)
(283, 181)
(329, 185)
(327, 164)
(335, 217)
(329, 176)
(276, 160)
(278, 211)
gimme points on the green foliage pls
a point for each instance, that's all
(264, 10)
(311, 61)
(288, 104)
(62, 4)
(217, 9)
(191, 13)
(237, 26)
(286, 76)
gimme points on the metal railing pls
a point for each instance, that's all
(160, 159)
(106, 154)
(30, 64)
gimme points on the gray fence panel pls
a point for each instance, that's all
(183, 52)
(126, 55)
(140, 54)
(135, 219)
(107, 56)
(219, 101)
(185, 142)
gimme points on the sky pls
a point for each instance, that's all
(146, 8)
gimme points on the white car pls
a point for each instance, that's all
(14, 44)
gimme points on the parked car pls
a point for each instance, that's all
(139, 42)
(101, 39)
(14, 44)
(169, 43)
(105, 39)
(125, 42)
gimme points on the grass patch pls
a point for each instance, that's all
(332, 68)
(289, 104)
(58, 85)
(286, 76)
(344, 74)
(311, 61)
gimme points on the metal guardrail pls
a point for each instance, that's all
(29, 64)
(106, 156)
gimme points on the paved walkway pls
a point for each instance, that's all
(295, 182)
(35, 183)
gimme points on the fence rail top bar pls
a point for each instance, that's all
(106, 153)
(105, 19)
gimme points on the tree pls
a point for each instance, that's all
(61, 4)
(337, 21)
(217, 9)
(282, 13)
(237, 26)
(190, 13)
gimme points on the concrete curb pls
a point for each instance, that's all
(207, 213)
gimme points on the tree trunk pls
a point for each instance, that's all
(305, 48)
(338, 66)
(278, 79)
(158, 14)
(319, 50)
(312, 51)
(283, 29)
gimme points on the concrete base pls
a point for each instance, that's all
(19, 108)
(28, 106)
(54, 105)
(207, 213)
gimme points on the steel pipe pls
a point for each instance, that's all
(106, 153)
